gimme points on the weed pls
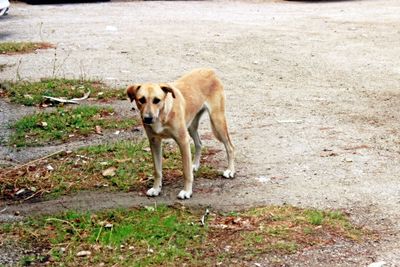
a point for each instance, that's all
(10, 48)
(63, 124)
(31, 93)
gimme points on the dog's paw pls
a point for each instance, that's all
(195, 167)
(184, 194)
(229, 173)
(153, 192)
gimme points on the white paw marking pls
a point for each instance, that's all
(229, 173)
(196, 167)
(184, 194)
(152, 192)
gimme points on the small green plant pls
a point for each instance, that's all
(31, 93)
(315, 217)
(65, 123)
(22, 47)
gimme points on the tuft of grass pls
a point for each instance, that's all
(83, 170)
(160, 235)
(63, 124)
(31, 93)
(11, 48)
(315, 217)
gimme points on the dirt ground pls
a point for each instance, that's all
(313, 100)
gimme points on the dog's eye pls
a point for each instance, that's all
(142, 100)
(156, 100)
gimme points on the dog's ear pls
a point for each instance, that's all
(167, 89)
(132, 90)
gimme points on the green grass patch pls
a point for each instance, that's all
(65, 123)
(31, 93)
(154, 236)
(10, 48)
(130, 165)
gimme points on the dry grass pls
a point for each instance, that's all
(12, 48)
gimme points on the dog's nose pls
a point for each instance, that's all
(148, 120)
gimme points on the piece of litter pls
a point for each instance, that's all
(117, 132)
(108, 225)
(83, 253)
(49, 168)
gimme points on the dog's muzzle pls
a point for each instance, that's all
(148, 120)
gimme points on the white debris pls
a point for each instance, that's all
(83, 253)
(21, 191)
(263, 179)
(109, 172)
(348, 160)
(377, 264)
(111, 28)
(49, 168)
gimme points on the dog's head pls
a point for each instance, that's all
(150, 99)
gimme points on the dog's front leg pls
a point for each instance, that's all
(184, 146)
(156, 152)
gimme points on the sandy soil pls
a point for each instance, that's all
(312, 89)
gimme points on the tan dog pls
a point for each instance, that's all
(173, 110)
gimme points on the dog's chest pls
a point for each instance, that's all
(157, 127)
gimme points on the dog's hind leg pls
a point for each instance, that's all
(220, 130)
(156, 152)
(196, 139)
